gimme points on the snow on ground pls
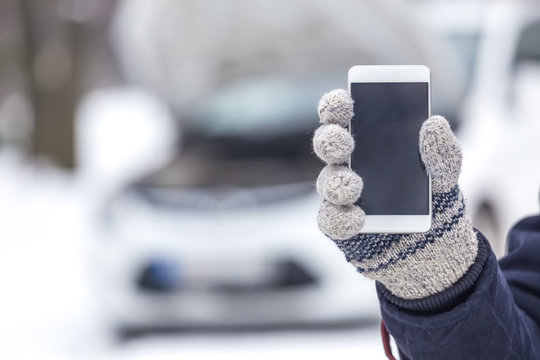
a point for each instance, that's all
(358, 343)
(45, 291)
(48, 309)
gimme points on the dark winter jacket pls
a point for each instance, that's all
(492, 313)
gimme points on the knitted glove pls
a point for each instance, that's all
(410, 266)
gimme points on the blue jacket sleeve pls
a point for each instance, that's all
(492, 313)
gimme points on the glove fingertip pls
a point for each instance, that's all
(336, 107)
(440, 151)
(333, 144)
(340, 222)
(339, 185)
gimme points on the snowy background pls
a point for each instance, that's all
(111, 111)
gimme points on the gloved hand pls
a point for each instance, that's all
(410, 266)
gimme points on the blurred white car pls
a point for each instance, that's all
(226, 234)
(500, 127)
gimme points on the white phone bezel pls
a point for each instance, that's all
(394, 73)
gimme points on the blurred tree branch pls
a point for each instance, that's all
(49, 72)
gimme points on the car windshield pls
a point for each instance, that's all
(253, 133)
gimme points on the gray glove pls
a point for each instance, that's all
(410, 266)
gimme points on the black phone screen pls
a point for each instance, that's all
(385, 126)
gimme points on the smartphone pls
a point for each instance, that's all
(390, 104)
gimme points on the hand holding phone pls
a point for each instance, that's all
(410, 265)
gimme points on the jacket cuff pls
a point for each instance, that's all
(448, 298)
